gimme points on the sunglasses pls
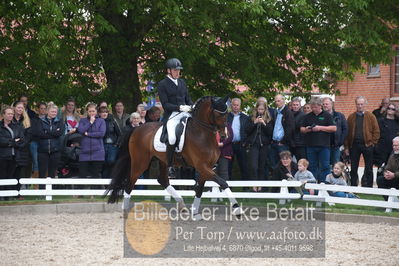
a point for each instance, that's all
(390, 108)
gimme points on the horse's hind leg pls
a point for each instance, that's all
(163, 180)
(198, 188)
(137, 168)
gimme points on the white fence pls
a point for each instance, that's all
(324, 196)
(214, 194)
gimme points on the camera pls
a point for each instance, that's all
(311, 126)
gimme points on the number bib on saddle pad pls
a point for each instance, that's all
(177, 126)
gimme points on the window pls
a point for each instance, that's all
(396, 78)
(373, 71)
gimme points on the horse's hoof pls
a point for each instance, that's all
(197, 217)
(237, 211)
(184, 210)
(126, 204)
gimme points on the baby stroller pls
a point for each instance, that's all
(69, 163)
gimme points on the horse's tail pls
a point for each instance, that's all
(120, 173)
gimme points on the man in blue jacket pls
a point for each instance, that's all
(239, 122)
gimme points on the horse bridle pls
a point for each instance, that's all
(213, 127)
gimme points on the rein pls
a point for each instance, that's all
(211, 127)
(205, 125)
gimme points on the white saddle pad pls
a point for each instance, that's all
(161, 147)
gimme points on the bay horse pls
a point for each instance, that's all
(200, 151)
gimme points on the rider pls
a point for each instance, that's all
(176, 103)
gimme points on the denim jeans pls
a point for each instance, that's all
(342, 194)
(335, 155)
(319, 162)
(33, 150)
(111, 153)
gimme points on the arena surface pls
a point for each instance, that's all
(97, 238)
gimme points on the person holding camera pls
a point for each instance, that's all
(259, 134)
(317, 127)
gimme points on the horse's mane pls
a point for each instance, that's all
(199, 102)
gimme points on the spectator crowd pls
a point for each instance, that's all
(310, 143)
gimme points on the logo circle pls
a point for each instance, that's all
(148, 227)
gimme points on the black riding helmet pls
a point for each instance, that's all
(173, 63)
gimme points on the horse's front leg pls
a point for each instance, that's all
(198, 188)
(236, 209)
(209, 174)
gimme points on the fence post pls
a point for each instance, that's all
(283, 191)
(391, 199)
(214, 191)
(167, 197)
(324, 193)
(49, 187)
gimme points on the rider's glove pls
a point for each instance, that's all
(185, 108)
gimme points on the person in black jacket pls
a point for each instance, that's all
(23, 159)
(389, 129)
(259, 132)
(176, 103)
(42, 111)
(49, 131)
(24, 99)
(285, 168)
(11, 140)
(111, 141)
(239, 122)
(338, 137)
(299, 148)
(153, 114)
(283, 129)
(317, 127)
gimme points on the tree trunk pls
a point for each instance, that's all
(120, 57)
(120, 67)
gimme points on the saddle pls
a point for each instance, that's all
(161, 136)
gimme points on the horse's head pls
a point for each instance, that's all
(219, 111)
(211, 112)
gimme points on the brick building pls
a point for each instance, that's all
(375, 83)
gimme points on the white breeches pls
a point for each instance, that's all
(174, 119)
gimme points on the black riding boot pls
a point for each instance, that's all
(170, 151)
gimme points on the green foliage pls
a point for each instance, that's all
(54, 49)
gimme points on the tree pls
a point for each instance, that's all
(52, 49)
